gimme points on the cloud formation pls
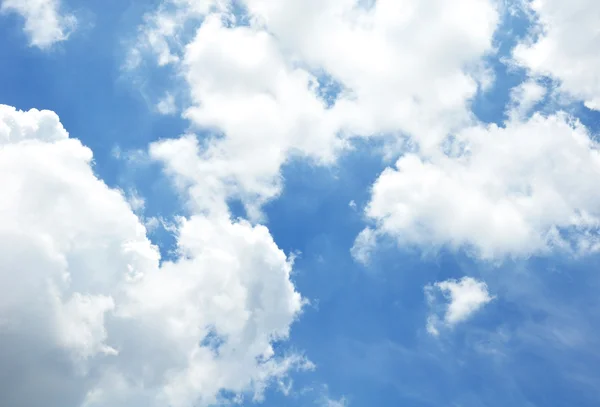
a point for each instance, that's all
(94, 320)
(44, 21)
(497, 192)
(287, 79)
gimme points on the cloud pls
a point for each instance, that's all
(464, 297)
(497, 192)
(45, 23)
(563, 45)
(242, 86)
(399, 65)
(167, 105)
(271, 90)
(523, 98)
(335, 403)
(364, 245)
(87, 314)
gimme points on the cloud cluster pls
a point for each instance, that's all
(45, 23)
(284, 79)
(89, 317)
(515, 190)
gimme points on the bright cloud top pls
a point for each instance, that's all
(90, 287)
(45, 23)
(460, 300)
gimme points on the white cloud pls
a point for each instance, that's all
(167, 105)
(403, 68)
(160, 33)
(88, 315)
(512, 191)
(335, 403)
(564, 45)
(462, 298)
(523, 99)
(45, 23)
(401, 63)
(242, 86)
(364, 245)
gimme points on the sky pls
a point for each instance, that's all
(330, 203)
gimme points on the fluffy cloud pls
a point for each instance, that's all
(564, 45)
(364, 244)
(462, 298)
(514, 191)
(296, 78)
(524, 98)
(242, 86)
(45, 24)
(404, 66)
(89, 317)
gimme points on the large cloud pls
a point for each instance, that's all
(87, 315)
(513, 191)
(403, 65)
(45, 23)
(564, 45)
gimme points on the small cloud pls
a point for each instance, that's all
(167, 105)
(460, 299)
(45, 24)
(352, 204)
(152, 223)
(524, 97)
(363, 246)
(335, 403)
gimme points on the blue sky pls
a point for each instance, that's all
(462, 148)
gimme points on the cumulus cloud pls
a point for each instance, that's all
(45, 22)
(460, 300)
(564, 46)
(88, 316)
(515, 191)
(301, 78)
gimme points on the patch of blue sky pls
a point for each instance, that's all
(328, 89)
(352, 307)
